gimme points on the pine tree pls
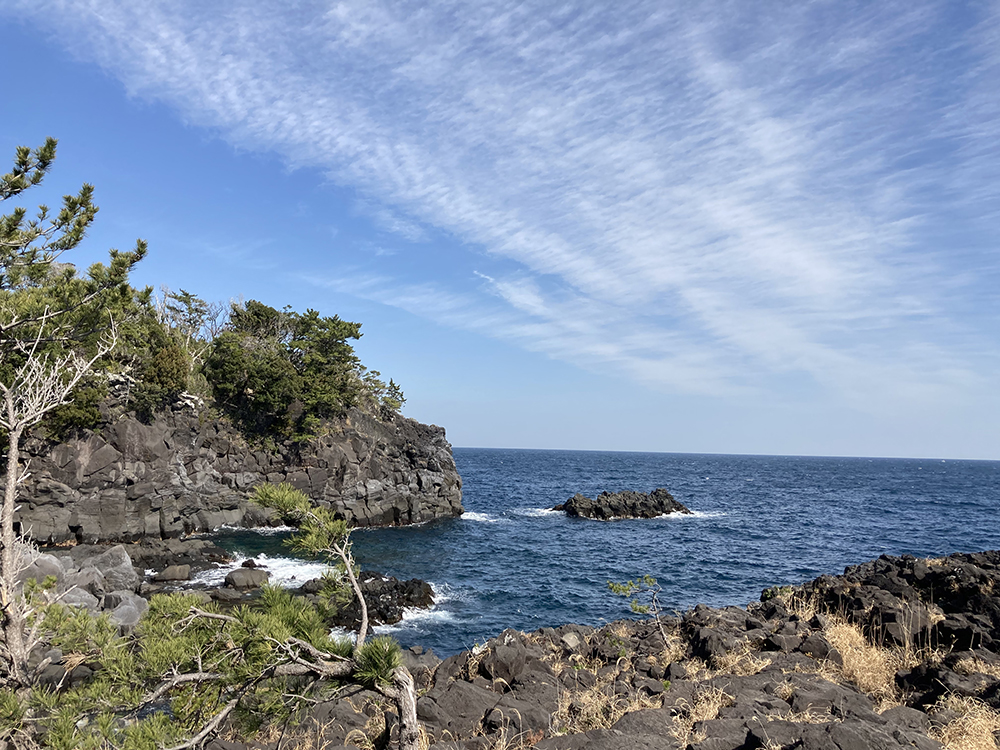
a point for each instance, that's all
(54, 326)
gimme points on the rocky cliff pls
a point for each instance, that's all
(187, 472)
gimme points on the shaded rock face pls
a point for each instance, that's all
(186, 473)
(628, 504)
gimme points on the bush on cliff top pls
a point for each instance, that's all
(283, 373)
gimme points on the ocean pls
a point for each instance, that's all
(510, 562)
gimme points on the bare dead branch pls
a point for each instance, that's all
(210, 727)
(167, 685)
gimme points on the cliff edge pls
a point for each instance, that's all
(187, 472)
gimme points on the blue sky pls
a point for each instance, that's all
(718, 227)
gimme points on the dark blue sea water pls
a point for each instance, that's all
(760, 521)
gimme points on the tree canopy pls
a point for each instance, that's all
(283, 372)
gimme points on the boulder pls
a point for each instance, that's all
(41, 567)
(174, 573)
(90, 579)
(116, 566)
(81, 598)
(628, 504)
(505, 659)
(247, 578)
(125, 609)
(386, 597)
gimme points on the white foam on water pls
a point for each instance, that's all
(414, 618)
(479, 517)
(442, 592)
(693, 514)
(417, 618)
(262, 530)
(537, 512)
(343, 634)
(284, 571)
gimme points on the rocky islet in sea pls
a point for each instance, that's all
(628, 504)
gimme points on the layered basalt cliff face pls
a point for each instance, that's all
(187, 473)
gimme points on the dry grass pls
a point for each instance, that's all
(803, 606)
(974, 665)
(519, 741)
(365, 738)
(741, 661)
(597, 707)
(802, 717)
(708, 701)
(311, 735)
(470, 669)
(871, 668)
(785, 691)
(674, 649)
(620, 629)
(976, 727)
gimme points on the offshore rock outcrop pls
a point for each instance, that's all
(188, 473)
(628, 504)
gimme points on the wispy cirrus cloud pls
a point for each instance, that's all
(699, 197)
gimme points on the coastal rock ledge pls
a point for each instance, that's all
(628, 504)
(187, 472)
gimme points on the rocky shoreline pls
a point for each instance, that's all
(118, 580)
(895, 653)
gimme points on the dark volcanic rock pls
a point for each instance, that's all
(386, 597)
(626, 504)
(772, 679)
(174, 573)
(186, 473)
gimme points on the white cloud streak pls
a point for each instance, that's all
(701, 198)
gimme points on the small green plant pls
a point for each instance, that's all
(376, 661)
(776, 592)
(643, 595)
(635, 591)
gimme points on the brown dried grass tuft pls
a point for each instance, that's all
(310, 735)
(970, 665)
(520, 741)
(976, 728)
(620, 629)
(871, 668)
(741, 661)
(365, 739)
(708, 701)
(785, 691)
(597, 707)
(802, 717)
